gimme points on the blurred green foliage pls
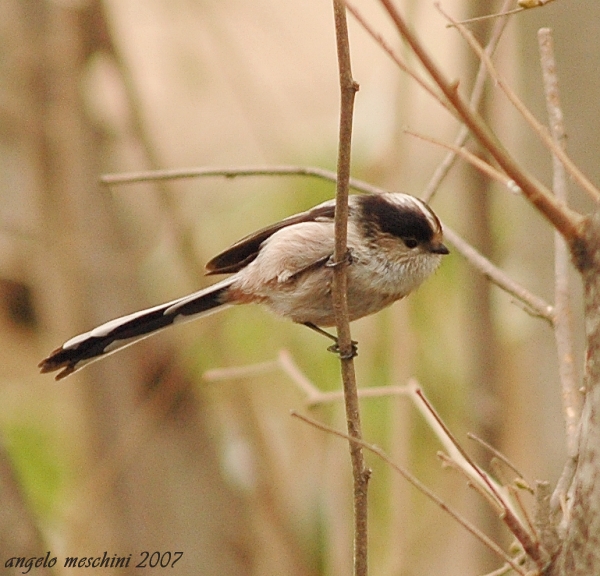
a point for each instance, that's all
(38, 464)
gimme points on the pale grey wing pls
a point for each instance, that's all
(240, 254)
(289, 252)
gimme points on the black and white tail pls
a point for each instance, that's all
(121, 332)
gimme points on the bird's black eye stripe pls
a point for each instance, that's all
(407, 223)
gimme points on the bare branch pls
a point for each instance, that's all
(225, 171)
(565, 220)
(314, 396)
(563, 325)
(533, 304)
(339, 292)
(472, 159)
(538, 128)
(523, 5)
(476, 95)
(396, 58)
(502, 14)
(510, 517)
(420, 487)
(495, 452)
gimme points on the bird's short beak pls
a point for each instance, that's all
(438, 248)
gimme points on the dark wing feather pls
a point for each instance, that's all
(245, 250)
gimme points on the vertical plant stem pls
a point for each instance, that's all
(475, 100)
(348, 88)
(563, 324)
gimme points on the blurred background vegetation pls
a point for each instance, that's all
(140, 451)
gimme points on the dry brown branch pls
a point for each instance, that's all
(496, 493)
(421, 488)
(533, 304)
(371, 392)
(523, 5)
(497, 454)
(476, 95)
(472, 159)
(216, 171)
(314, 396)
(471, 480)
(516, 496)
(380, 40)
(339, 292)
(565, 220)
(538, 128)
(502, 14)
(563, 325)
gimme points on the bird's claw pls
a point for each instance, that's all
(335, 348)
(345, 261)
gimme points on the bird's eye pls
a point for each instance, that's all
(410, 242)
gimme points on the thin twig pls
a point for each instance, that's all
(516, 496)
(450, 462)
(563, 324)
(314, 396)
(533, 304)
(339, 290)
(565, 220)
(476, 95)
(420, 487)
(224, 171)
(530, 543)
(523, 5)
(502, 14)
(371, 392)
(395, 57)
(495, 452)
(539, 129)
(472, 159)
(456, 451)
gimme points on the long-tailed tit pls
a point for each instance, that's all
(394, 242)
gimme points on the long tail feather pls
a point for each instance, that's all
(121, 332)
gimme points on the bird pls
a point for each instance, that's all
(394, 240)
